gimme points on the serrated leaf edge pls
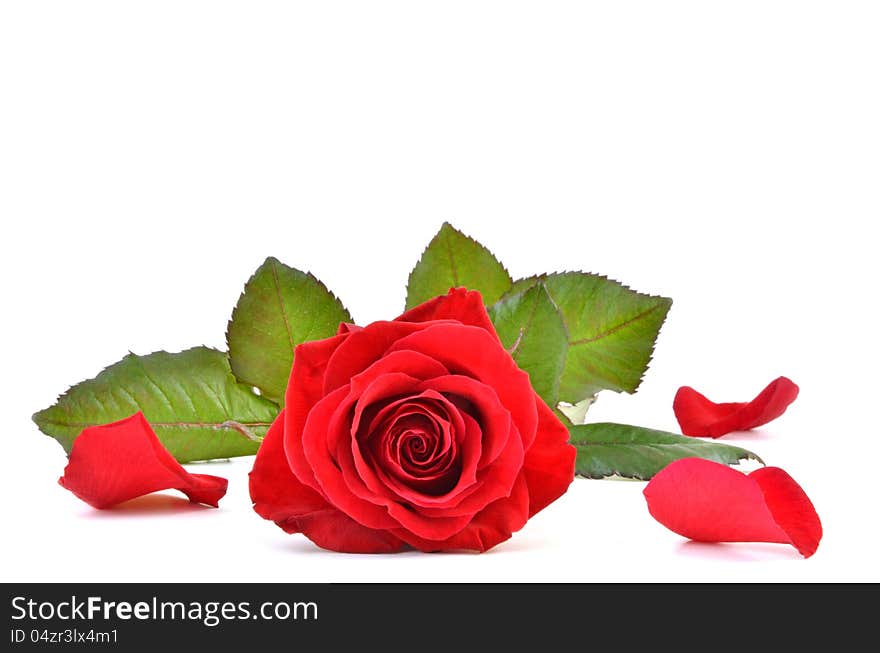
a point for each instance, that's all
(226, 424)
(275, 262)
(541, 278)
(746, 454)
(439, 233)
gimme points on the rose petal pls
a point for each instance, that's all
(444, 424)
(710, 502)
(276, 493)
(491, 526)
(347, 327)
(468, 495)
(358, 477)
(698, 416)
(326, 471)
(460, 304)
(362, 348)
(791, 508)
(116, 462)
(417, 489)
(304, 389)
(465, 484)
(493, 482)
(415, 364)
(486, 407)
(549, 462)
(473, 352)
(280, 497)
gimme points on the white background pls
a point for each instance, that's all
(724, 154)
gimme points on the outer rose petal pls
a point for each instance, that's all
(280, 497)
(465, 306)
(361, 349)
(710, 502)
(549, 462)
(304, 389)
(698, 416)
(491, 526)
(347, 327)
(116, 462)
(276, 493)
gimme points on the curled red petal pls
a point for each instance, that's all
(791, 508)
(698, 416)
(710, 502)
(347, 327)
(123, 460)
(279, 496)
(465, 306)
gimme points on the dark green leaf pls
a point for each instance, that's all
(633, 452)
(532, 330)
(280, 308)
(190, 398)
(452, 260)
(612, 330)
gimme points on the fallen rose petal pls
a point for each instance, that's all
(698, 416)
(710, 502)
(116, 462)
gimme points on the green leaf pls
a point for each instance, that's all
(612, 330)
(633, 452)
(190, 398)
(280, 308)
(452, 260)
(532, 330)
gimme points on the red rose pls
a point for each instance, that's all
(421, 431)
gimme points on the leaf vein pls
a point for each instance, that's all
(616, 328)
(157, 386)
(452, 266)
(184, 425)
(277, 284)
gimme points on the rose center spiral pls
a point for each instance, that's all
(412, 442)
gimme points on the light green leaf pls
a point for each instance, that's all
(633, 452)
(611, 328)
(452, 260)
(532, 330)
(190, 398)
(280, 308)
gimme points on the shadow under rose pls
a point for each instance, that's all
(745, 551)
(149, 506)
(301, 544)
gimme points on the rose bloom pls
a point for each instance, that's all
(420, 432)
